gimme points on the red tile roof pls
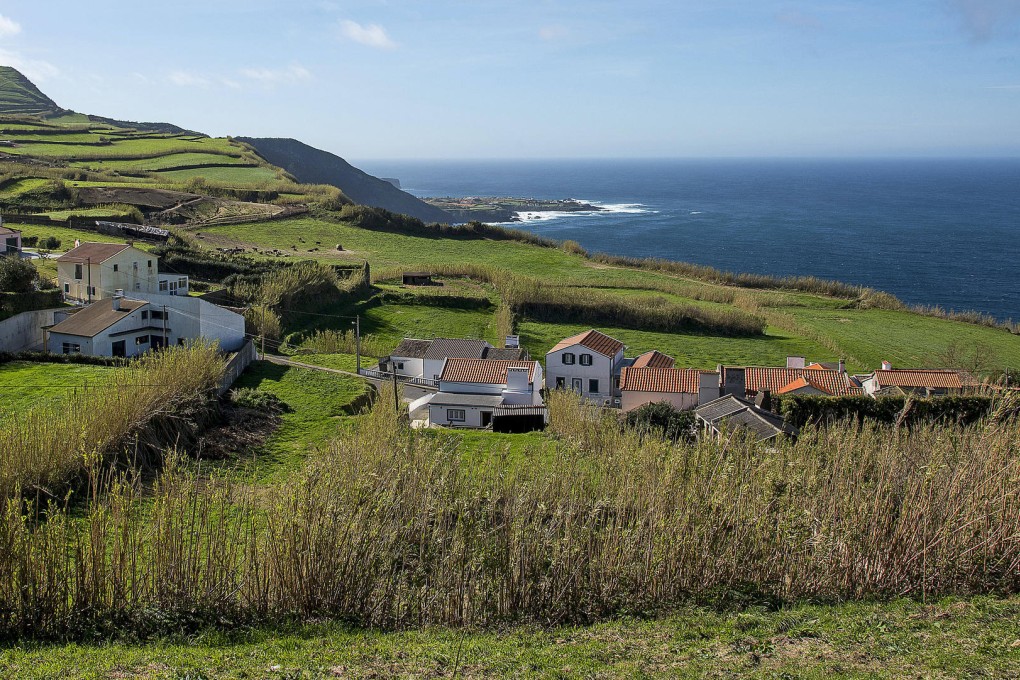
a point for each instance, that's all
(923, 378)
(654, 359)
(487, 371)
(593, 340)
(96, 252)
(759, 378)
(669, 380)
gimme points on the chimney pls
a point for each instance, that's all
(795, 362)
(763, 400)
(842, 366)
(886, 366)
(118, 295)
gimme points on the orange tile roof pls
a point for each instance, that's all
(593, 340)
(669, 380)
(96, 252)
(654, 359)
(824, 380)
(487, 371)
(759, 378)
(922, 378)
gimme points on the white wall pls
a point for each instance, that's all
(192, 318)
(601, 369)
(473, 415)
(412, 367)
(24, 331)
(102, 344)
(132, 279)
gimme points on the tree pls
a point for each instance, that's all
(17, 275)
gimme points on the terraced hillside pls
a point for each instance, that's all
(18, 95)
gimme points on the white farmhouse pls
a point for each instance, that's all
(125, 327)
(414, 358)
(683, 388)
(588, 363)
(476, 392)
(94, 271)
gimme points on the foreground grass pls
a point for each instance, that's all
(949, 638)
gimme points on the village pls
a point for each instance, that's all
(121, 306)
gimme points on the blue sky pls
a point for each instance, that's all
(500, 79)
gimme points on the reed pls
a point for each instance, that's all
(397, 528)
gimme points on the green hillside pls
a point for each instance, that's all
(18, 95)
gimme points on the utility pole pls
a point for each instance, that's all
(263, 333)
(165, 340)
(88, 263)
(357, 345)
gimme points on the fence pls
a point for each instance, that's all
(405, 379)
(235, 367)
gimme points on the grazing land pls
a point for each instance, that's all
(25, 384)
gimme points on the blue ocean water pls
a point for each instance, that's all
(943, 232)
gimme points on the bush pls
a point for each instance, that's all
(259, 400)
(799, 410)
(50, 243)
(661, 419)
(17, 275)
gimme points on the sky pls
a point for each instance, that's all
(451, 79)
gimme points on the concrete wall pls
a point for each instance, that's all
(601, 369)
(630, 399)
(414, 368)
(192, 318)
(24, 332)
(473, 415)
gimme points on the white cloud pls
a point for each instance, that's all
(188, 79)
(271, 76)
(9, 26)
(36, 70)
(372, 35)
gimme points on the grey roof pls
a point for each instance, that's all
(96, 318)
(506, 354)
(452, 399)
(519, 410)
(732, 412)
(411, 348)
(455, 348)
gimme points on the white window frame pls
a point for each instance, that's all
(585, 359)
(568, 358)
(456, 415)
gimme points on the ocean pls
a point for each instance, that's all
(933, 231)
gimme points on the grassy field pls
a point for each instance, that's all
(24, 384)
(165, 162)
(317, 400)
(240, 175)
(904, 638)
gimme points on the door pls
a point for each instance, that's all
(119, 349)
(575, 384)
(157, 341)
(486, 418)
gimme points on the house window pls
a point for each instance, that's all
(142, 340)
(150, 264)
(182, 283)
(180, 341)
(163, 285)
(156, 314)
(116, 267)
(78, 271)
(586, 360)
(71, 348)
(67, 288)
(568, 358)
(561, 383)
(593, 386)
(456, 414)
(145, 314)
(92, 290)
(138, 286)
(400, 366)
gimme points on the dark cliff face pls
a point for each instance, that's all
(314, 166)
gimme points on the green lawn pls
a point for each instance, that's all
(125, 148)
(318, 401)
(950, 638)
(24, 384)
(240, 176)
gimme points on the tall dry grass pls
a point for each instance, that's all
(47, 446)
(393, 527)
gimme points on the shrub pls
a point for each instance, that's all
(259, 400)
(661, 419)
(17, 275)
(800, 410)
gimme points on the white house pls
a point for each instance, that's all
(125, 327)
(425, 358)
(683, 388)
(94, 271)
(10, 240)
(472, 391)
(925, 382)
(588, 363)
